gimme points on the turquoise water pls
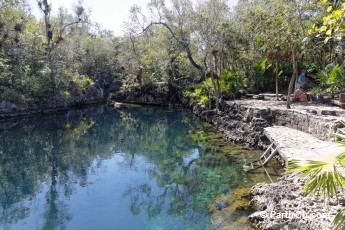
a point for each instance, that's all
(95, 168)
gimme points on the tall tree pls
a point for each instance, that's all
(195, 28)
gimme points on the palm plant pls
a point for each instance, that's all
(332, 78)
(324, 178)
(258, 73)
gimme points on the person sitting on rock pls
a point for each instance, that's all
(300, 96)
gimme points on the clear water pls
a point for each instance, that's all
(94, 168)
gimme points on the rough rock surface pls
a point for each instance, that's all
(283, 205)
(159, 93)
(320, 120)
(92, 94)
(301, 145)
(243, 121)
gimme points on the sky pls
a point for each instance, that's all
(111, 14)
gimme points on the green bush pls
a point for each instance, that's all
(232, 81)
(332, 78)
(12, 95)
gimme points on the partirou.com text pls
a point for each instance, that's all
(295, 215)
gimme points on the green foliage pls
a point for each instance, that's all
(204, 100)
(332, 78)
(66, 94)
(339, 220)
(13, 95)
(202, 93)
(258, 77)
(240, 48)
(78, 56)
(232, 81)
(81, 82)
(324, 178)
(333, 22)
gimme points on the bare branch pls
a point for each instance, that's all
(183, 43)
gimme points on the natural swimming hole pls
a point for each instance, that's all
(97, 168)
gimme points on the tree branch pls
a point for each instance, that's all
(183, 43)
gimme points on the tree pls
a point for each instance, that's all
(333, 25)
(278, 31)
(195, 29)
(51, 44)
(55, 34)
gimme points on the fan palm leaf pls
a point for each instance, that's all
(326, 177)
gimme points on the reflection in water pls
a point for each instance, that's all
(96, 168)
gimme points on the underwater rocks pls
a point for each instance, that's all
(220, 204)
(229, 212)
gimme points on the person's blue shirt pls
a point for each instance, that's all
(300, 80)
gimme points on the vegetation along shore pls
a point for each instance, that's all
(243, 66)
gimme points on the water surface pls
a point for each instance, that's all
(95, 168)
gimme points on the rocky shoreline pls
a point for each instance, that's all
(159, 94)
(283, 205)
(277, 204)
(52, 104)
(241, 122)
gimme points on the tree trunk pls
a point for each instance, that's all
(185, 45)
(218, 70)
(214, 83)
(277, 76)
(293, 78)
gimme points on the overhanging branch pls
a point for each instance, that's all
(183, 43)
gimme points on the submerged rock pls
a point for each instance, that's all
(228, 212)
(220, 204)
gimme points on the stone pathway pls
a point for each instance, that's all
(305, 132)
(319, 120)
(298, 107)
(297, 145)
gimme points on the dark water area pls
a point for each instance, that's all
(96, 168)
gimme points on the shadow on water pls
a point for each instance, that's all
(167, 167)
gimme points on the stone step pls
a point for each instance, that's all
(297, 145)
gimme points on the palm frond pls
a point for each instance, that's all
(341, 156)
(339, 220)
(324, 177)
(307, 168)
(341, 135)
